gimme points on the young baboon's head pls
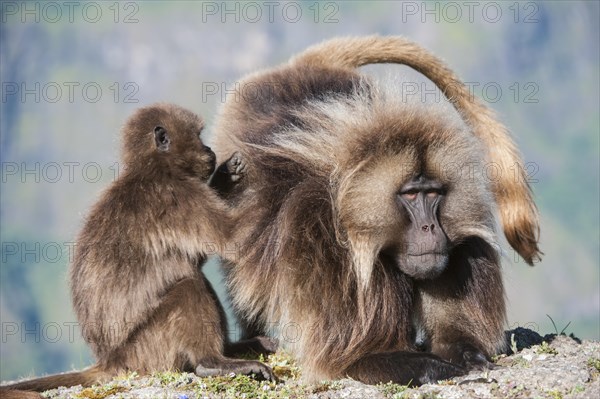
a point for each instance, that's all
(167, 136)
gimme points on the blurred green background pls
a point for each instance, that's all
(72, 72)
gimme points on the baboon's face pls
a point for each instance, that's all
(185, 150)
(171, 135)
(402, 216)
(424, 248)
(410, 205)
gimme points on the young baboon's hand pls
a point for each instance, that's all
(228, 174)
(236, 167)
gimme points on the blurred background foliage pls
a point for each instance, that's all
(59, 148)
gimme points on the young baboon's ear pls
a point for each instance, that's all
(161, 138)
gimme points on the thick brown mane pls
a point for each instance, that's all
(325, 244)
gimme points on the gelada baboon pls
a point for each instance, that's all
(138, 292)
(370, 220)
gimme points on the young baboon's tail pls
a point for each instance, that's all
(28, 389)
(513, 195)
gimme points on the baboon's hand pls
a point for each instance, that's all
(414, 368)
(229, 174)
(258, 370)
(260, 345)
(475, 360)
(236, 167)
(468, 356)
(268, 344)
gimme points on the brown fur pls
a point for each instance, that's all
(141, 300)
(518, 212)
(328, 150)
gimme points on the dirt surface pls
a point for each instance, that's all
(543, 367)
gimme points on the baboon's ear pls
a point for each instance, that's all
(161, 138)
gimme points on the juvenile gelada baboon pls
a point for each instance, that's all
(138, 292)
(370, 220)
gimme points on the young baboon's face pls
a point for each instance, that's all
(184, 151)
(170, 135)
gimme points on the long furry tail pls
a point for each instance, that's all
(517, 209)
(23, 389)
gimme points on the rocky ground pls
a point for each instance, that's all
(542, 367)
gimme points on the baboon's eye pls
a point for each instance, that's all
(410, 194)
(161, 138)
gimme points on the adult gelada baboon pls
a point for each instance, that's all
(138, 292)
(369, 220)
